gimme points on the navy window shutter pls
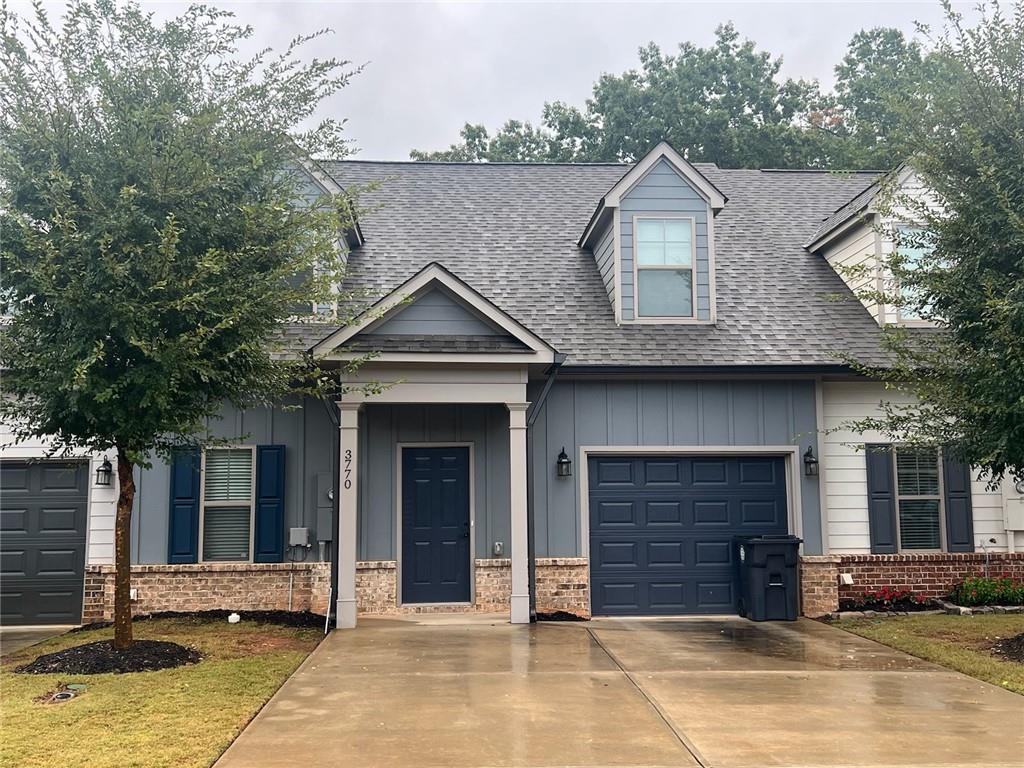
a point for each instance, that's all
(269, 538)
(883, 515)
(956, 477)
(183, 517)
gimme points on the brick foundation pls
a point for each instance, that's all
(819, 584)
(563, 584)
(210, 586)
(929, 575)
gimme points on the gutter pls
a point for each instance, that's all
(531, 416)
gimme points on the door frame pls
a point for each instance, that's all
(400, 446)
(789, 453)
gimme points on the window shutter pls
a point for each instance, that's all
(882, 514)
(959, 520)
(269, 504)
(183, 517)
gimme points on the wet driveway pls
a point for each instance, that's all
(692, 692)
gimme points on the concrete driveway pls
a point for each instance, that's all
(15, 638)
(691, 692)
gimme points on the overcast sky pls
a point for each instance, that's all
(430, 67)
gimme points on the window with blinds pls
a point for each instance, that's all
(919, 497)
(227, 504)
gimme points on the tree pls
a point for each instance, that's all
(724, 104)
(967, 131)
(154, 228)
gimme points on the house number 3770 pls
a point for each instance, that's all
(348, 469)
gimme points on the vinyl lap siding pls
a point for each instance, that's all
(855, 260)
(663, 190)
(845, 475)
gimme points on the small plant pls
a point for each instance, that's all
(885, 599)
(984, 590)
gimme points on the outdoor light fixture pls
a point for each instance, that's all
(564, 464)
(104, 472)
(810, 463)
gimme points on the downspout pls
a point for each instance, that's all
(531, 417)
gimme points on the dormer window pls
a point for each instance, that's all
(664, 266)
(914, 245)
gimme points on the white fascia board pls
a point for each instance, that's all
(429, 276)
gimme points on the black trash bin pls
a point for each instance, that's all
(768, 577)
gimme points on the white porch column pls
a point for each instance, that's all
(348, 506)
(520, 609)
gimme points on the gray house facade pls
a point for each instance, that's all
(578, 385)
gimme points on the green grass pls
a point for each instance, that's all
(182, 717)
(962, 643)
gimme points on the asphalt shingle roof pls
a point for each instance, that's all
(845, 212)
(510, 231)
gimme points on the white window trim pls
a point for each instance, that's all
(919, 497)
(233, 503)
(661, 319)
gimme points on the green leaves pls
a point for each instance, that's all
(156, 225)
(724, 104)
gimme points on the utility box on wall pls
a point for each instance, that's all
(1015, 514)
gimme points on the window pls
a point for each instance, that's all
(664, 267)
(227, 509)
(919, 497)
(913, 245)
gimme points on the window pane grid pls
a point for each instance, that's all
(664, 267)
(919, 499)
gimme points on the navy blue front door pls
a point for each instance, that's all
(662, 529)
(435, 525)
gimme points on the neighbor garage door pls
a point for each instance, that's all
(42, 541)
(662, 529)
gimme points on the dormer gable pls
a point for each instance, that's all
(652, 237)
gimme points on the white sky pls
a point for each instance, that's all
(430, 67)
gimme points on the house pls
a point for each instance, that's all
(591, 379)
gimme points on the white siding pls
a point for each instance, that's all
(856, 251)
(845, 475)
(102, 501)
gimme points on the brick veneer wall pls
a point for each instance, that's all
(819, 584)
(562, 585)
(208, 586)
(929, 575)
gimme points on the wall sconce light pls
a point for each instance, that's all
(564, 464)
(810, 463)
(103, 473)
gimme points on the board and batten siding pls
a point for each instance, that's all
(844, 472)
(604, 255)
(663, 191)
(383, 427)
(683, 414)
(307, 433)
(435, 313)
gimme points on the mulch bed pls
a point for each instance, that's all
(900, 606)
(281, 618)
(558, 616)
(102, 657)
(1010, 649)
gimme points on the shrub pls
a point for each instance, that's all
(884, 599)
(983, 590)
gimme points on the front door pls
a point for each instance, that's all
(435, 525)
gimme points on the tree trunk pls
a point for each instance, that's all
(123, 552)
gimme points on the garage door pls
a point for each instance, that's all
(662, 529)
(42, 541)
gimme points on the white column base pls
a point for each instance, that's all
(346, 614)
(520, 609)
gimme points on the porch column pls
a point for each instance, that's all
(520, 609)
(348, 507)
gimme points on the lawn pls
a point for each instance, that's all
(182, 717)
(962, 643)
